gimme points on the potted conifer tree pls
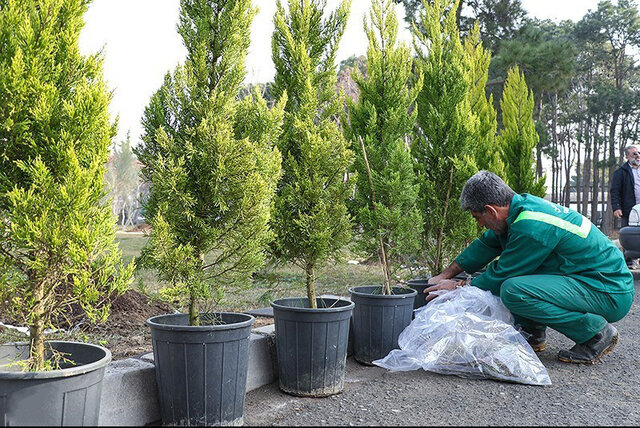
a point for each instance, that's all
(213, 168)
(310, 216)
(387, 190)
(449, 133)
(57, 245)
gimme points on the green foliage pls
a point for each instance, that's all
(310, 216)
(488, 153)
(544, 53)
(519, 136)
(383, 119)
(56, 229)
(444, 148)
(498, 20)
(210, 160)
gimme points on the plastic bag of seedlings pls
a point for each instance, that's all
(466, 332)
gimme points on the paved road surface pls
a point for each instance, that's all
(605, 394)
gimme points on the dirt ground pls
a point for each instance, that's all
(126, 331)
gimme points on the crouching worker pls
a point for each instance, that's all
(555, 268)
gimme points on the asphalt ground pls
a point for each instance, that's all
(604, 394)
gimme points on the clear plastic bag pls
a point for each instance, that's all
(466, 332)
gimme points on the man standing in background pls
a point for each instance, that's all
(625, 188)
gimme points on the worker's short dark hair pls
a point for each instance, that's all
(485, 188)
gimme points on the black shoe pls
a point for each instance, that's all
(590, 351)
(535, 337)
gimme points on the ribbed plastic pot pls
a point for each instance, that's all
(419, 284)
(378, 320)
(630, 241)
(201, 371)
(68, 396)
(311, 345)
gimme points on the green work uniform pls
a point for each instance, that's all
(555, 268)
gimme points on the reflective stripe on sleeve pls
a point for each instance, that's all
(582, 230)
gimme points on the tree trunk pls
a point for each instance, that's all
(579, 167)
(311, 286)
(382, 255)
(595, 178)
(539, 145)
(438, 259)
(194, 313)
(556, 161)
(36, 331)
(607, 212)
(605, 223)
(587, 170)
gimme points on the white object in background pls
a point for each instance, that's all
(634, 216)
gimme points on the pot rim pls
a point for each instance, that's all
(153, 322)
(68, 372)
(276, 305)
(410, 292)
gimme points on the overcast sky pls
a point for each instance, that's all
(140, 44)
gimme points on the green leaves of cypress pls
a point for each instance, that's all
(210, 159)
(383, 120)
(56, 229)
(519, 137)
(444, 150)
(310, 217)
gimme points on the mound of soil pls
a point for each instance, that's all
(125, 330)
(124, 333)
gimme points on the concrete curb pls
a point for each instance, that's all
(129, 391)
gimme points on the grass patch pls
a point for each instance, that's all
(270, 282)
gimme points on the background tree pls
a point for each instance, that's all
(544, 52)
(123, 182)
(210, 160)
(498, 20)
(57, 242)
(443, 149)
(488, 153)
(519, 137)
(346, 69)
(614, 29)
(310, 218)
(380, 123)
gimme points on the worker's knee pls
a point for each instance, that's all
(512, 293)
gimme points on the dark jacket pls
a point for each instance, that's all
(622, 193)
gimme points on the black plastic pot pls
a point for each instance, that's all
(201, 371)
(379, 319)
(311, 345)
(630, 241)
(419, 284)
(68, 396)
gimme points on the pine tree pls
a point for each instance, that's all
(210, 160)
(57, 236)
(519, 136)
(443, 150)
(488, 154)
(380, 125)
(310, 218)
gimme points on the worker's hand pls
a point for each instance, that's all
(445, 284)
(617, 213)
(435, 279)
